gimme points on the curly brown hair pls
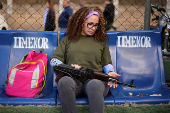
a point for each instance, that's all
(76, 23)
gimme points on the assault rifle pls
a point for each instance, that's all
(88, 73)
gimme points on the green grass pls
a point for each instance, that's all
(85, 109)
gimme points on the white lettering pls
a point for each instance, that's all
(20, 42)
(124, 41)
(15, 42)
(24, 42)
(138, 41)
(31, 42)
(142, 45)
(36, 42)
(149, 42)
(133, 41)
(40, 41)
(45, 43)
(118, 41)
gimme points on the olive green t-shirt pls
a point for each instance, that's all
(86, 52)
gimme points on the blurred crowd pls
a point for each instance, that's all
(49, 15)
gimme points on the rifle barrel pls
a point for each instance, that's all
(116, 80)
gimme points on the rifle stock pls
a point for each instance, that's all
(59, 76)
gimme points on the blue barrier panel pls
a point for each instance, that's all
(84, 101)
(5, 44)
(19, 43)
(137, 55)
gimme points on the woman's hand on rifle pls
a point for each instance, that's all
(110, 83)
(76, 66)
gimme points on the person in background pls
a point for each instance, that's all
(82, 3)
(84, 46)
(109, 13)
(65, 15)
(49, 17)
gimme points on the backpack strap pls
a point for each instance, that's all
(44, 79)
(23, 59)
(40, 50)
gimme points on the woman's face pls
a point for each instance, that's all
(47, 5)
(90, 25)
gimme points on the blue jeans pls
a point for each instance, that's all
(94, 89)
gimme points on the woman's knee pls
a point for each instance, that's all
(95, 85)
(66, 82)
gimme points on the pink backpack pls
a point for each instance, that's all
(26, 78)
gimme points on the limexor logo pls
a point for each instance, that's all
(31, 42)
(133, 41)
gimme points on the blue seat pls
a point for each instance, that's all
(137, 55)
(109, 100)
(13, 46)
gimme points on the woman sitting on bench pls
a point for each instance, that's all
(84, 46)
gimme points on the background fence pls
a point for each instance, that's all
(29, 14)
